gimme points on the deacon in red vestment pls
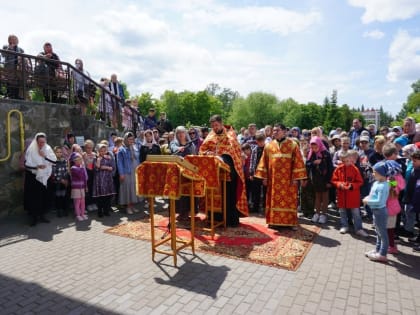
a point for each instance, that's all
(281, 167)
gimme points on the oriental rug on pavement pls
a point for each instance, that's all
(252, 241)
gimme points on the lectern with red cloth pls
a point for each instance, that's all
(170, 180)
(216, 173)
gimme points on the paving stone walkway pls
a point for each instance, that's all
(66, 267)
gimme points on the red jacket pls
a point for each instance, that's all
(347, 180)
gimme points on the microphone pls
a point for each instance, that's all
(189, 143)
(184, 146)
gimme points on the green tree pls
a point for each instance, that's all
(283, 110)
(125, 90)
(144, 102)
(258, 108)
(416, 86)
(312, 115)
(385, 119)
(225, 95)
(331, 120)
(412, 105)
(190, 108)
(345, 119)
(287, 112)
(334, 98)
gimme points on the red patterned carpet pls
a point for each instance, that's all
(252, 241)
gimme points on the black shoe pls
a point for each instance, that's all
(107, 214)
(44, 220)
(233, 225)
(33, 222)
(414, 239)
(100, 214)
(405, 233)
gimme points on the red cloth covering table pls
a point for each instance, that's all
(170, 180)
(216, 173)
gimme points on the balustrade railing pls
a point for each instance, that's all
(29, 77)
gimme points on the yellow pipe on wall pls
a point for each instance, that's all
(8, 133)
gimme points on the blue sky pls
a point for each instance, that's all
(368, 50)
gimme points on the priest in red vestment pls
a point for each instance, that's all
(222, 141)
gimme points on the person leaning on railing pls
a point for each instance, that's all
(11, 62)
(81, 86)
(50, 93)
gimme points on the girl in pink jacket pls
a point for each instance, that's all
(396, 184)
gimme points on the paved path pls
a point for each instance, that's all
(69, 268)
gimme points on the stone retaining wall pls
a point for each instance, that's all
(53, 119)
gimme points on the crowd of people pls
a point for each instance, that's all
(371, 172)
(368, 176)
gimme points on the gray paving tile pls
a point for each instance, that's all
(115, 275)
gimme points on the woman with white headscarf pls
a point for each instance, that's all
(39, 159)
(409, 129)
(149, 146)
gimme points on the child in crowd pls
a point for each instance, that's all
(118, 143)
(307, 192)
(390, 152)
(348, 180)
(89, 157)
(377, 201)
(256, 183)
(397, 184)
(60, 179)
(345, 146)
(78, 186)
(246, 161)
(412, 198)
(320, 167)
(75, 148)
(164, 146)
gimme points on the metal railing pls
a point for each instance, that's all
(29, 77)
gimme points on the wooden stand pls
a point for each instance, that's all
(181, 184)
(215, 172)
(171, 238)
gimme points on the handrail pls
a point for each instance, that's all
(9, 132)
(24, 76)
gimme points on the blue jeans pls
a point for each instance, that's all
(380, 216)
(356, 218)
(410, 218)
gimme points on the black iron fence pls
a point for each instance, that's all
(36, 78)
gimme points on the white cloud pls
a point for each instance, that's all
(158, 45)
(255, 18)
(387, 10)
(375, 34)
(404, 57)
(390, 92)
